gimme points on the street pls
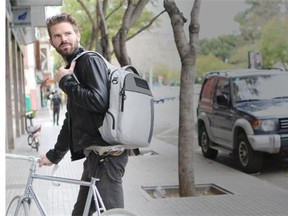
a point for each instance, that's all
(274, 170)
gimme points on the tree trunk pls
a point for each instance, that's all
(187, 53)
(105, 45)
(132, 14)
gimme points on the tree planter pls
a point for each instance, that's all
(159, 192)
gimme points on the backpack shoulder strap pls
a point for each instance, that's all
(109, 66)
(81, 54)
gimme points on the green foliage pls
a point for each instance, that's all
(169, 76)
(252, 20)
(204, 64)
(274, 43)
(58, 61)
(221, 47)
(234, 49)
(208, 63)
(85, 26)
(114, 16)
(259, 31)
(239, 56)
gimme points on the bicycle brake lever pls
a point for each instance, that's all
(55, 168)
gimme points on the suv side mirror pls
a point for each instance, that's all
(222, 100)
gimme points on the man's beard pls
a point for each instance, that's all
(67, 51)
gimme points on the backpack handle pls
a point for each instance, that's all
(130, 67)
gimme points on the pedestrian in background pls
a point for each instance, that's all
(49, 103)
(56, 105)
(87, 104)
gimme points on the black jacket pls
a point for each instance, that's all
(87, 103)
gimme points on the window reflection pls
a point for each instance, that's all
(259, 87)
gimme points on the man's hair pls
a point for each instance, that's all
(61, 18)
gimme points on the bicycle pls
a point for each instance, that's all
(33, 131)
(20, 204)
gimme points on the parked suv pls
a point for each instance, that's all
(244, 112)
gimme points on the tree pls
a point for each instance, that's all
(206, 63)
(187, 52)
(275, 46)
(131, 15)
(239, 57)
(92, 17)
(221, 47)
(106, 21)
(252, 20)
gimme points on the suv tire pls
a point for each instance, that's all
(205, 143)
(250, 161)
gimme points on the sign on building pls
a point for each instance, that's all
(21, 16)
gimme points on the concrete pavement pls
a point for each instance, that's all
(157, 166)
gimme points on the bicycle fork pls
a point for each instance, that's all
(30, 193)
(37, 201)
(22, 201)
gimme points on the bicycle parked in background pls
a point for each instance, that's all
(20, 204)
(33, 131)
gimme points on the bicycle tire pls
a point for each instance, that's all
(17, 205)
(118, 212)
(29, 139)
(35, 144)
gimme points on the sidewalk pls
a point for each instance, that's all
(249, 196)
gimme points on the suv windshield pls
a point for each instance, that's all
(260, 87)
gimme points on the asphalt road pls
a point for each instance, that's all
(274, 170)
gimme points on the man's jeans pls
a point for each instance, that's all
(110, 170)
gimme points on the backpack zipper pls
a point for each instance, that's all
(123, 97)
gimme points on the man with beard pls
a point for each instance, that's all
(87, 103)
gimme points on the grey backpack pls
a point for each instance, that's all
(130, 118)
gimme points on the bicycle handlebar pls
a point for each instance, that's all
(55, 168)
(22, 157)
(36, 160)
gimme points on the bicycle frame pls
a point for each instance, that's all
(29, 191)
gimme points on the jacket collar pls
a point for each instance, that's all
(73, 55)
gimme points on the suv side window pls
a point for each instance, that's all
(206, 95)
(222, 91)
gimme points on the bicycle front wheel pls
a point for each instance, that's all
(35, 144)
(30, 139)
(18, 207)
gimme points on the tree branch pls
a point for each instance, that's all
(87, 11)
(147, 26)
(136, 13)
(115, 10)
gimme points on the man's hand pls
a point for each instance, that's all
(44, 161)
(63, 72)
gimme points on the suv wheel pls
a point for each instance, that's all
(250, 161)
(205, 142)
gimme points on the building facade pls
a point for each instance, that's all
(28, 69)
